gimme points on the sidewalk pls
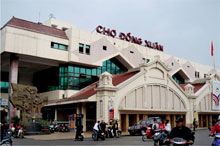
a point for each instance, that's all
(61, 135)
(57, 135)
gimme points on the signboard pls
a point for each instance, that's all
(111, 112)
(128, 37)
(216, 96)
(4, 101)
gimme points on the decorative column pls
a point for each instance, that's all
(145, 117)
(78, 108)
(168, 118)
(84, 115)
(189, 90)
(13, 78)
(105, 98)
(137, 118)
(55, 114)
(127, 122)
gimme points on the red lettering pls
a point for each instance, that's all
(122, 36)
(113, 33)
(98, 29)
(161, 48)
(134, 40)
(106, 31)
(139, 41)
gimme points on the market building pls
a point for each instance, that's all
(104, 75)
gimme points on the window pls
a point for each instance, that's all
(196, 74)
(59, 46)
(105, 48)
(87, 49)
(205, 75)
(81, 46)
(131, 52)
(172, 63)
(147, 60)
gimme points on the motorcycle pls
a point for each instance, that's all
(80, 136)
(159, 138)
(216, 141)
(179, 141)
(19, 133)
(63, 128)
(6, 141)
(147, 135)
(110, 133)
(117, 133)
(98, 134)
(56, 128)
(52, 128)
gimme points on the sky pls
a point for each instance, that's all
(185, 28)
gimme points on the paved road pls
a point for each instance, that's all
(202, 139)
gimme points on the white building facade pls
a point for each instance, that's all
(104, 77)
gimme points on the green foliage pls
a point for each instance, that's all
(15, 120)
(44, 124)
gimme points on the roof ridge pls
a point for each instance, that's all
(34, 23)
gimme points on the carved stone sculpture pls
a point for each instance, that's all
(28, 101)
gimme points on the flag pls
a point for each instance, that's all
(212, 49)
(216, 99)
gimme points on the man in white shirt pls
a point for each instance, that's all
(96, 126)
(168, 126)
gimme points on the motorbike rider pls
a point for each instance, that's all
(154, 126)
(167, 126)
(97, 128)
(216, 127)
(181, 131)
(103, 125)
(79, 129)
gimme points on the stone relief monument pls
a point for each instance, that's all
(28, 101)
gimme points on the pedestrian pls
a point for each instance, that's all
(115, 127)
(194, 124)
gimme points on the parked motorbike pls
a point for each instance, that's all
(80, 136)
(6, 141)
(52, 128)
(19, 133)
(216, 141)
(98, 134)
(56, 128)
(63, 128)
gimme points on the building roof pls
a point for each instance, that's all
(35, 27)
(196, 86)
(90, 90)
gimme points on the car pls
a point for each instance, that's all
(141, 126)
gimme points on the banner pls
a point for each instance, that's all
(216, 96)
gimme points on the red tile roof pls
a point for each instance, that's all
(35, 27)
(196, 86)
(90, 90)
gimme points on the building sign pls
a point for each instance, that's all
(216, 96)
(128, 37)
(4, 101)
(111, 112)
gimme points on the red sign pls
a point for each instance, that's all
(128, 37)
(111, 115)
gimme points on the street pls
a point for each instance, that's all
(202, 139)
